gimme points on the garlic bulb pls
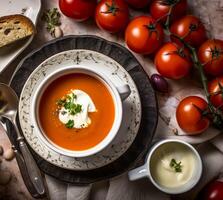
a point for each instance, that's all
(57, 32)
(9, 154)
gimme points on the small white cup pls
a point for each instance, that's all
(119, 94)
(144, 171)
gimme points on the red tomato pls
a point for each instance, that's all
(160, 8)
(138, 3)
(191, 29)
(210, 54)
(172, 61)
(213, 89)
(143, 35)
(79, 10)
(189, 115)
(212, 191)
(112, 15)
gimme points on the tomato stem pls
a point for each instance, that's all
(215, 53)
(221, 88)
(167, 23)
(169, 2)
(111, 8)
(192, 28)
(152, 29)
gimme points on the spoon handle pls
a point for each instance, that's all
(32, 168)
(25, 175)
(22, 166)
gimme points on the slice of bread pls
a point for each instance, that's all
(15, 27)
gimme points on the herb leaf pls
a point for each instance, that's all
(63, 112)
(74, 96)
(75, 108)
(176, 165)
(52, 18)
(61, 102)
(78, 108)
(70, 124)
(69, 105)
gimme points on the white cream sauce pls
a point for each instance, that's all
(163, 173)
(81, 119)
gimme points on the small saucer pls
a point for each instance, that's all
(101, 63)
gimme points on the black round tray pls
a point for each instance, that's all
(137, 151)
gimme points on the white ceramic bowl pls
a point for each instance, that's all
(119, 94)
(144, 171)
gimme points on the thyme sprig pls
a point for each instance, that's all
(52, 18)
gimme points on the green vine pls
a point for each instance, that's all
(215, 113)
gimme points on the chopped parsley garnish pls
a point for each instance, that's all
(74, 96)
(69, 105)
(70, 124)
(69, 97)
(72, 108)
(176, 165)
(63, 112)
(61, 102)
(78, 108)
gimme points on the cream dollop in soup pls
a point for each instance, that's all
(74, 109)
(172, 165)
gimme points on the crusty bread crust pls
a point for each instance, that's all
(15, 27)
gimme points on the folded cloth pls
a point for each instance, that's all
(62, 191)
(57, 189)
(78, 192)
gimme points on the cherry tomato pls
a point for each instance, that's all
(79, 10)
(138, 4)
(210, 54)
(212, 191)
(215, 89)
(160, 8)
(189, 115)
(191, 29)
(172, 61)
(112, 15)
(143, 35)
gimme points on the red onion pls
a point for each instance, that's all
(159, 83)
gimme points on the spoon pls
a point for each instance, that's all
(8, 109)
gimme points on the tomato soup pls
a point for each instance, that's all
(101, 120)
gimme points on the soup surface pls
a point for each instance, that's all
(172, 165)
(101, 120)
